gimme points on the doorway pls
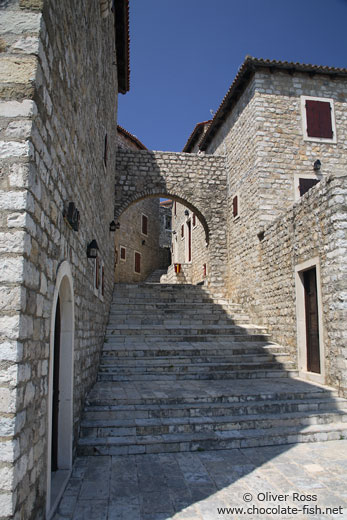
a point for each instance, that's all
(309, 319)
(60, 389)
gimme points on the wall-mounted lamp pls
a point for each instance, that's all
(71, 215)
(317, 165)
(186, 212)
(92, 249)
(113, 226)
(143, 242)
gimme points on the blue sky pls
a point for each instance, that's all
(184, 55)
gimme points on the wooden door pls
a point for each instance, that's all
(311, 312)
(55, 398)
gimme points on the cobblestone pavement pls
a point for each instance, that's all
(192, 486)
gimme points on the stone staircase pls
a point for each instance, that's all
(157, 276)
(183, 371)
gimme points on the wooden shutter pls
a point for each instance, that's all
(235, 206)
(122, 253)
(137, 263)
(318, 117)
(306, 184)
(144, 225)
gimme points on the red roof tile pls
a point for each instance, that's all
(132, 138)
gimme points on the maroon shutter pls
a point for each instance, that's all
(137, 263)
(306, 184)
(122, 253)
(235, 208)
(194, 219)
(318, 115)
(144, 224)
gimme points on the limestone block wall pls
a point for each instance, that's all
(52, 143)
(263, 140)
(130, 237)
(199, 251)
(315, 227)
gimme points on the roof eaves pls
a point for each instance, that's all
(132, 137)
(195, 135)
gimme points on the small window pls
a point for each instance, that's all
(168, 222)
(105, 151)
(144, 225)
(182, 231)
(235, 206)
(137, 262)
(318, 119)
(306, 184)
(122, 253)
(97, 273)
(175, 209)
(194, 220)
(102, 280)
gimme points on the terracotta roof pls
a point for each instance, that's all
(121, 24)
(245, 73)
(195, 136)
(132, 138)
(166, 203)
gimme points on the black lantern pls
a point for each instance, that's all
(113, 226)
(92, 249)
(186, 212)
(316, 165)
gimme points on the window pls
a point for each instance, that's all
(105, 151)
(235, 206)
(122, 253)
(137, 266)
(168, 222)
(306, 184)
(182, 231)
(318, 119)
(144, 225)
(175, 209)
(97, 273)
(194, 220)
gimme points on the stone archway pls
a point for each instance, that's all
(198, 182)
(60, 390)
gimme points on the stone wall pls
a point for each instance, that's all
(315, 227)
(53, 124)
(130, 237)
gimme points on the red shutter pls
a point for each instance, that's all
(235, 208)
(137, 263)
(318, 115)
(144, 224)
(306, 184)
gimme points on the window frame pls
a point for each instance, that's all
(137, 253)
(120, 254)
(297, 176)
(142, 221)
(330, 140)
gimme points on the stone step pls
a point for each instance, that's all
(160, 426)
(251, 373)
(164, 321)
(127, 361)
(159, 339)
(211, 440)
(134, 349)
(176, 330)
(154, 411)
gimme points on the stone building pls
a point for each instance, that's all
(137, 249)
(266, 181)
(61, 66)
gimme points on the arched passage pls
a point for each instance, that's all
(60, 389)
(198, 182)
